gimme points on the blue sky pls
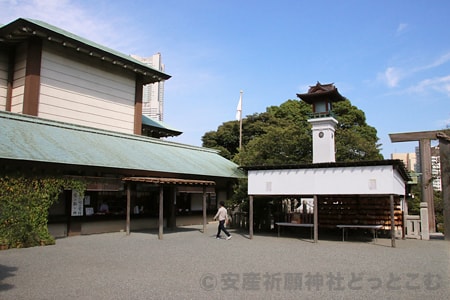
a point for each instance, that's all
(390, 58)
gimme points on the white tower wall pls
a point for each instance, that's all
(323, 139)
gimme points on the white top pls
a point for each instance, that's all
(221, 214)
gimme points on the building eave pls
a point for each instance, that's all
(24, 29)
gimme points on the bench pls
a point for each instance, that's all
(373, 227)
(280, 224)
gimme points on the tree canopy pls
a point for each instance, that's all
(282, 135)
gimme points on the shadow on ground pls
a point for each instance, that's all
(168, 230)
(5, 272)
(304, 234)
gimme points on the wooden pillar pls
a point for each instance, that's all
(32, 78)
(204, 208)
(138, 92)
(392, 221)
(128, 207)
(250, 217)
(316, 219)
(173, 203)
(444, 153)
(161, 211)
(426, 180)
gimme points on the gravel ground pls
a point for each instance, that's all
(188, 264)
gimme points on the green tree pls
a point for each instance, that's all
(439, 210)
(282, 135)
(355, 139)
(414, 199)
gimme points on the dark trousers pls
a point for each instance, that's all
(222, 228)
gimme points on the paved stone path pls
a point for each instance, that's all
(188, 264)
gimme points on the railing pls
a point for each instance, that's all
(412, 223)
(322, 115)
(412, 228)
(239, 220)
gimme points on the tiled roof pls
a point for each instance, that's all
(396, 163)
(34, 139)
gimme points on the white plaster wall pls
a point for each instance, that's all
(323, 147)
(373, 180)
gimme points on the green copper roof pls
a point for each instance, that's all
(33, 139)
(159, 126)
(21, 29)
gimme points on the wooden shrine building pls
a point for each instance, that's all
(364, 194)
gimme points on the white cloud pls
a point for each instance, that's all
(437, 84)
(438, 62)
(391, 76)
(45, 10)
(68, 15)
(401, 28)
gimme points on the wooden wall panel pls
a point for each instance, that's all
(3, 78)
(79, 92)
(18, 87)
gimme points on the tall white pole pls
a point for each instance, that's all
(240, 123)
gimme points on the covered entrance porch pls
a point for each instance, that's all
(168, 190)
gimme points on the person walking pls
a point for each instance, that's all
(222, 215)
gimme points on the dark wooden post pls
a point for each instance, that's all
(250, 217)
(173, 203)
(316, 219)
(204, 209)
(392, 222)
(138, 93)
(128, 207)
(161, 212)
(444, 153)
(31, 87)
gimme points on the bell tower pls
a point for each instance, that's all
(321, 97)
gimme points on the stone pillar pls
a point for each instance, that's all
(426, 179)
(425, 232)
(444, 153)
